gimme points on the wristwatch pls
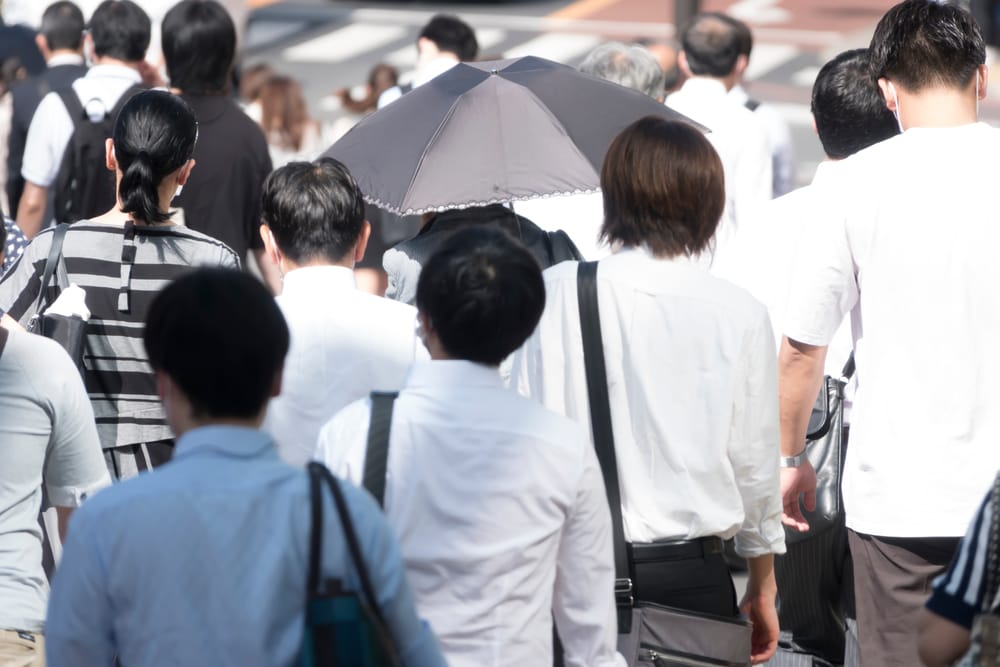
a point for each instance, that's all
(792, 461)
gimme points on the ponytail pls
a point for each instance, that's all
(138, 190)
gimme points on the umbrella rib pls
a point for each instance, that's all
(430, 144)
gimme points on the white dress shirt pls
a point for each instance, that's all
(779, 139)
(345, 343)
(740, 138)
(501, 515)
(424, 73)
(763, 255)
(912, 242)
(693, 391)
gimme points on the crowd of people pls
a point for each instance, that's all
(164, 495)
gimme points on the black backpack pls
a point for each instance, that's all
(84, 187)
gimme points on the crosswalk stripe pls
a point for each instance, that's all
(560, 47)
(767, 57)
(345, 43)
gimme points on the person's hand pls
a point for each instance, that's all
(796, 482)
(759, 608)
(151, 75)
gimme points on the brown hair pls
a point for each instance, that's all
(284, 116)
(663, 188)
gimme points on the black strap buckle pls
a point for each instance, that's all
(624, 592)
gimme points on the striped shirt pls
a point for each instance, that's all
(958, 593)
(121, 268)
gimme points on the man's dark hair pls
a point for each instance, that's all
(199, 45)
(120, 30)
(848, 106)
(452, 35)
(744, 36)
(219, 335)
(315, 210)
(483, 293)
(711, 45)
(921, 43)
(62, 26)
(663, 188)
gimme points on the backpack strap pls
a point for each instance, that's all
(4, 335)
(74, 107)
(752, 104)
(604, 438)
(377, 453)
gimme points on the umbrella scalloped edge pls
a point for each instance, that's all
(374, 201)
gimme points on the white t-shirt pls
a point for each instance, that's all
(912, 240)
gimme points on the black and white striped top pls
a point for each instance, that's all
(121, 268)
(958, 593)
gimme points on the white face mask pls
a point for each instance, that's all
(180, 189)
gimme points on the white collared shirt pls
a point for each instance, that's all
(51, 126)
(740, 138)
(501, 515)
(693, 390)
(779, 139)
(425, 72)
(345, 343)
(912, 241)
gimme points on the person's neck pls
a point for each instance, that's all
(193, 423)
(63, 53)
(937, 107)
(107, 60)
(288, 265)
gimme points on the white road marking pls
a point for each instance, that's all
(768, 57)
(805, 76)
(560, 47)
(760, 11)
(345, 43)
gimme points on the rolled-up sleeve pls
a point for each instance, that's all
(753, 446)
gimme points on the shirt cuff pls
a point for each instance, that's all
(73, 496)
(951, 608)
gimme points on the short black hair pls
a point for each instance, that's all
(744, 36)
(711, 45)
(315, 210)
(199, 46)
(483, 293)
(120, 30)
(452, 35)
(848, 106)
(921, 43)
(221, 338)
(62, 26)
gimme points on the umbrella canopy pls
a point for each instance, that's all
(490, 132)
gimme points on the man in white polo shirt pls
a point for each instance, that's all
(345, 342)
(119, 35)
(911, 244)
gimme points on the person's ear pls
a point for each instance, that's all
(682, 62)
(276, 383)
(815, 129)
(362, 243)
(270, 245)
(43, 45)
(888, 93)
(185, 172)
(110, 160)
(740, 67)
(983, 72)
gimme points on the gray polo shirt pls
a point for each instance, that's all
(47, 436)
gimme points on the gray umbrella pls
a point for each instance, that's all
(489, 132)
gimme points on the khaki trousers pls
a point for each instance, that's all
(22, 649)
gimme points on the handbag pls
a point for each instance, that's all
(70, 331)
(984, 640)
(648, 633)
(342, 628)
(825, 449)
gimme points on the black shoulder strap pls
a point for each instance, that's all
(55, 250)
(73, 105)
(404, 88)
(377, 453)
(4, 334)
(315, 529)
(600, 424)
(752, 104)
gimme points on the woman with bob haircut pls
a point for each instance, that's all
(691, 377)
(122, 259)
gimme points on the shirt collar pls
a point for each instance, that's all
(114, 72)
(704, 86)
(65, 59)
(310, 278)
(643, 253)
(453, 373)
(225, 441)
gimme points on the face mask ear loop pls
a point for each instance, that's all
(895, 111)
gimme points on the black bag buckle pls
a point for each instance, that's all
(623, 592)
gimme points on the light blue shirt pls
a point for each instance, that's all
(203, 562)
